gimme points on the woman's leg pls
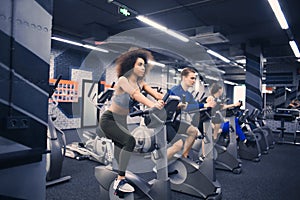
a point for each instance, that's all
(123, 140)
(216, 131)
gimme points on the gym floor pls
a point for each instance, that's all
(276, 176)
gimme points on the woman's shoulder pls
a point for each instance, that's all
(122, 78)
(121, 82)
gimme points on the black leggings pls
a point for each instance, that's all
(115, 128)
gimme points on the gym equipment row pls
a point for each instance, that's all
(225, 157)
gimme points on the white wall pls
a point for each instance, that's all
(239, 93)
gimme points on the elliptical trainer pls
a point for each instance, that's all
(158, 188)
(56, 146)
(197, 178)
(252, 152)
(94, 146)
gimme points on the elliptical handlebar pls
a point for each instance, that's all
(204, 114)
(199, 110)
(234, 111)
(244, 116)
(139, 113)
(252, 117)
(165, 98)
(102, 97)
(150, 110)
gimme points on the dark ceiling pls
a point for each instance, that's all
(230, 27)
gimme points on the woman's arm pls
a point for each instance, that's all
(135, 93)
(226, 106)
(152, 92)
(210, 99)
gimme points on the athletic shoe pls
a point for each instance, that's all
(154, 169)
(123, 186)
(200, 159)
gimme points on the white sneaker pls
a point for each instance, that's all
(154, 169)
(123, 186)
(200, 160)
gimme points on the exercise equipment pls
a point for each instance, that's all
(157, 188)
(94, 146)
(287, 115)
(266, 130)
(186, 176)
(261, 134)
(251, 152)
(56, 144)
(197, 178)
(262, 121)
(227, 158)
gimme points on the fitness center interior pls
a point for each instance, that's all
(227, 71)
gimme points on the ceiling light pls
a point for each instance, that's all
(278, 13)
(151, 23)
(95, 48)
(230, 83)
(218, 56)
(162, 28)
(152, 62)
(211, 78)
(241, 61)
(221, 71)
(295, 48)
(239, 65)
(67, 41)
(79, 44)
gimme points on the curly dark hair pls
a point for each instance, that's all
(125, 62)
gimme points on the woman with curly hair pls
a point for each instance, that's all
(131, 67)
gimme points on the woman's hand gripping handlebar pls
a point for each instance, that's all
(159, 105)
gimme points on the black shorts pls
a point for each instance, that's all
(175, 127)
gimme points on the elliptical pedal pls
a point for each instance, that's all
(120, 194)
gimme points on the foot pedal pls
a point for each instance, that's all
(120, 194)
(82, 157)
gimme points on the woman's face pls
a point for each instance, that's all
(220, 92)
(139, 67)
